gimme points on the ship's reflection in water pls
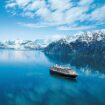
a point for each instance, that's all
(26, 80)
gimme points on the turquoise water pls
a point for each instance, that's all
(25, 80)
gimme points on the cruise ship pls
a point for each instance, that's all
(64, 71)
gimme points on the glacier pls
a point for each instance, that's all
(24, 44)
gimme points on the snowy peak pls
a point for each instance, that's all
(86, 43)
(27, 44)
(87, 36)
(24, 44)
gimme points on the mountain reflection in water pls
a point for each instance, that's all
(79, 61)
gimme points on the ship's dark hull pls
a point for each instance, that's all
(62, 74)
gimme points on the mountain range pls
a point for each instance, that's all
(24, 44)
(85, 43)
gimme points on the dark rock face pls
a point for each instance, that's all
(60, 47)
(92, 43)
(2, 46)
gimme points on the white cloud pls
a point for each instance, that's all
(34, 5)
(21, 2)
(76, 27)
(60, 4)
(10, 5)
(31, 25)
(85, 2)
(38, 25)
(43, 12)
(98, 14)
(58, 12)
(75, 14)
(28, 14)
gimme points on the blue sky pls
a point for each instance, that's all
(31, 19)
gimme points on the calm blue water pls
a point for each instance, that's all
(25, 80)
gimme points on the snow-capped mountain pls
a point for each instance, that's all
(84, 43)
(24, 44)
(87, 36)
